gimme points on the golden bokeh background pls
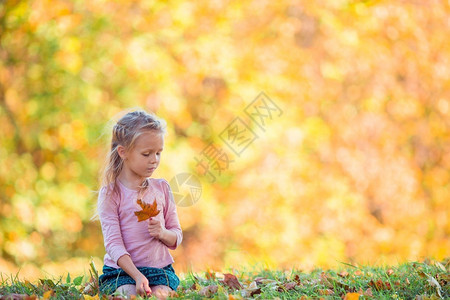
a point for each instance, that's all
(354, 166)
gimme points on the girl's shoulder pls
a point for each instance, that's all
(105, 189)
(159, 187)
(159, 183)
(112, 191)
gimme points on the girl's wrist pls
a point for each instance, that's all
(163, 235)
(138, 276)
(168, 238)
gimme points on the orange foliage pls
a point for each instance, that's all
(148, 210)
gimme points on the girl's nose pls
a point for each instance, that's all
(153, 158)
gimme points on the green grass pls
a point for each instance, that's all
(413, 280)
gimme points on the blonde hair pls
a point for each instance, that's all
(124, 133)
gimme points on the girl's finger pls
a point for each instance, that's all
(147, 289)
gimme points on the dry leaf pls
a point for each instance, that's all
(232, 281)
(331, 282)
(262, 280)
(390, 272)
(194, 287)
(380, 285)
(367, 293)
(48, 294)
(343, 274)
(148, 210)
(326, 292)
(351, 296)
(251, 290)
(432, 281)
(208, 291)
(287, 286)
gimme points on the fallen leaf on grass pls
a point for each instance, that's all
(380, 285)
(148, 210)
(330, 282)
(47, 284)
(443, 279)
(232, 282)
(351, 296)
(297, 278)
(390, 272)
(343, 274)
(432, 281)
(441, 266)
(208, 291)
(251, 290)
(48, 294)
(262, 280)
(367, 293)
(287, 286)
(194, 287)
(326, 292)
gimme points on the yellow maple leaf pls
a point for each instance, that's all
(352, 296)
(47, 294)
(148, 210)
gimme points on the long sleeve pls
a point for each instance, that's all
(170, 214)
(109, 217)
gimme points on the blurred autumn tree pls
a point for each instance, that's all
(357, 168)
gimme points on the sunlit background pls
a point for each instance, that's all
(352, 165)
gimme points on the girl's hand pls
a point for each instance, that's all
(156, 229)
(142, 287)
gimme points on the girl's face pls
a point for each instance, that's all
(144, 158)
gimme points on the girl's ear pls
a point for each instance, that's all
(122, 152)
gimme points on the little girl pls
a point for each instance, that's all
(137, 259)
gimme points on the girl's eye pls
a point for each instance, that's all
(158, 153)
(146, 154)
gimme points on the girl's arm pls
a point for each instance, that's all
(169, 232)
(169, 238)
(157, 230)
(109, 219)
(174, 234)
(142, 287)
